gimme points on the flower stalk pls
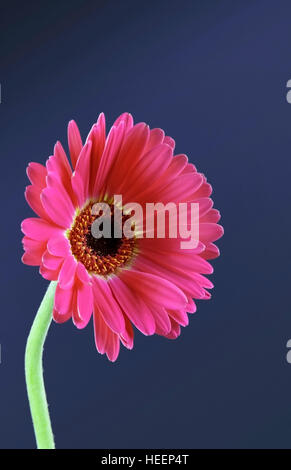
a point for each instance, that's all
(34, 371)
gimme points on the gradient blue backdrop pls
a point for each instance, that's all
(213, 74)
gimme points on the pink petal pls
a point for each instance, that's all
(155, 289)
(101, 331)
(37, 174)
(54, 181)
(112, 346)
(59, 165)
(107, 305)
(63, 300)
(181, 189)
(156, 138)
(83, 170)
(209, 232)
(175, 331)
(39, 229)
(205, 204)
(32, 195)
(31, 245)
(75, 142)
(59, 246)
(131, 151)
(169, 141)
(50, 261)
(191, 306)
(82, 273)
(190, 168)
(177, 164)
(180, 316)
(50, 275)
(205, 190)
(67, 272)
(162, 321)
(203, 281)
(183, 280)
(213, 216)
(111, 150)
(34, 250)
(60, 318)
(211, 251)
(167, 246)
(85, 304)
(78, 188)
(148, 169)
(127, 119)
(179, 262)
(97, 136)
(106, 341)
(59, 208)
(127, 336)
(133, 307)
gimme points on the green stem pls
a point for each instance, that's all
(34, 372)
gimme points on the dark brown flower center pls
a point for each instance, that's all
(101, 256)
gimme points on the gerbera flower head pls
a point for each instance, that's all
(145, 281)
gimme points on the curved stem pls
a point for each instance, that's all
(34, 372)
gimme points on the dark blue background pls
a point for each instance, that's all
(213, 74)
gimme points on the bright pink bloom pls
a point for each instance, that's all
(149, 282)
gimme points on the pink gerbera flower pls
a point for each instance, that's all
(147, 282)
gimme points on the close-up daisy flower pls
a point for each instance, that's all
(112, 229)
(149, 283)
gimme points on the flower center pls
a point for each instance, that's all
(101, 256)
